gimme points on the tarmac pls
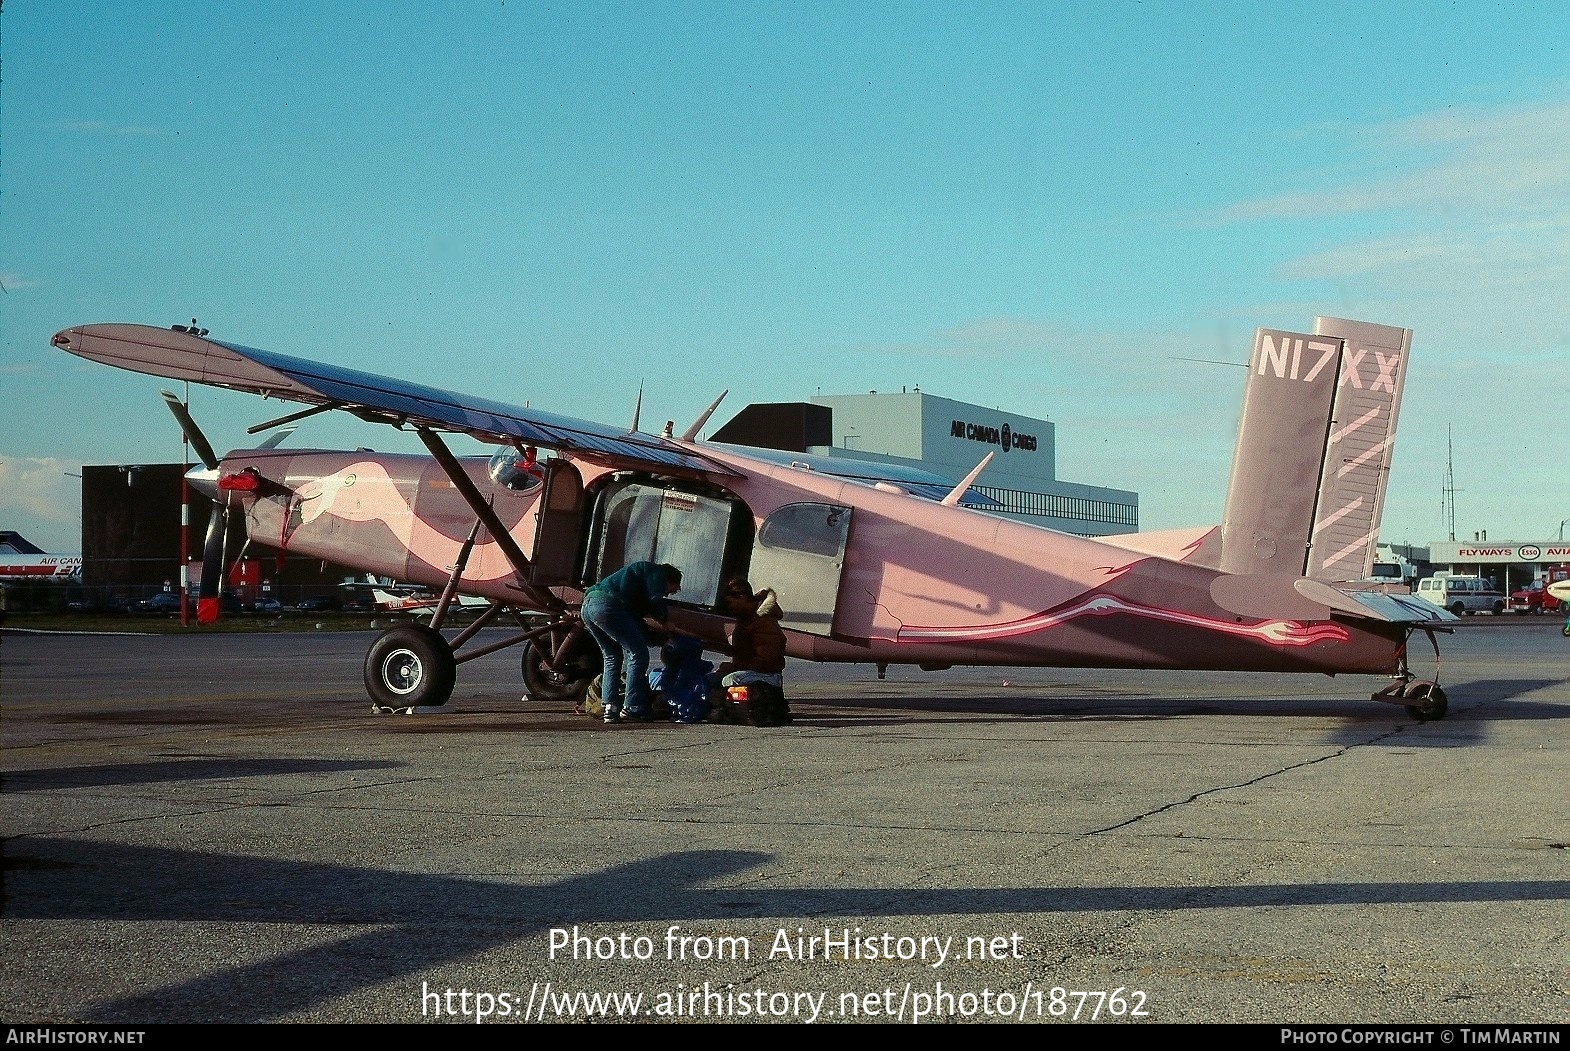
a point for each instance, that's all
(216, 828)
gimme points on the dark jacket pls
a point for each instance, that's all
(638, 588)
(758, 644)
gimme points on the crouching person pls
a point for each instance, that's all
(757, 649)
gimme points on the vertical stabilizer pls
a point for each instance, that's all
(1281, 442)
(1362, 438)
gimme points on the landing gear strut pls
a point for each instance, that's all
(1423, 699)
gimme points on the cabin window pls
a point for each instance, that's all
(814, 529)
(800, 553)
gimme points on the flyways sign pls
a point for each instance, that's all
(1004, 436)
(1520, 553)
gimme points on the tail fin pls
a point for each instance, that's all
(1313, 450)
(1358, 451)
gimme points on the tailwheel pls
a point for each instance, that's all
(1425, 701)
(410, 666)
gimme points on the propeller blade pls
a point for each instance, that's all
(193, 433)
(212, 565)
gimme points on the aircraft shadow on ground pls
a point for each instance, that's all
(415, 922)
(177, 770)
(1490, 699)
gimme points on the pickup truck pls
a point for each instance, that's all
(1534, 600)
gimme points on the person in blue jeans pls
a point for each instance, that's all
(614, 611)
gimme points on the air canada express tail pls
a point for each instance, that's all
(1313, 450)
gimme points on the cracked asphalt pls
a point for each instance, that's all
(218, 829)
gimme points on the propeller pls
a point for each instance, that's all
(213, 563)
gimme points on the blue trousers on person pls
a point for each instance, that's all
(625, 649)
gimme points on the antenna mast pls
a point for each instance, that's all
(1448, 493)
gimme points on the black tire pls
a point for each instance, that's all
(569, 682)
(1429, 702)
(410, 666)
(1457, 608)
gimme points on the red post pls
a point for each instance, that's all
(185, 519)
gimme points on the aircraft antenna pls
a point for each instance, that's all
(637, 409)
(1447, 503)
(692, 432)
(960, 489)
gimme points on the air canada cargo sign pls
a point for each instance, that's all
(1002, 436)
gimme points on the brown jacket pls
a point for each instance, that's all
(758, 644)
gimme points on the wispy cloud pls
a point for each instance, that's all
(11, 281)
(983, 339)
(98, 127)
(1456, 221)
(1467, 160)
(40, 488)
(1025, 354)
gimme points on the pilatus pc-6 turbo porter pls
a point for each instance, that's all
(872, 563)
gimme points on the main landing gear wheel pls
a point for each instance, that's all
(410, 666)
(565, 683)
(1426, 701)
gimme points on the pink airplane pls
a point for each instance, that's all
(872, 563)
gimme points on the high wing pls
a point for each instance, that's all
(185, 356)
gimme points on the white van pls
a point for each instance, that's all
(1461, 594)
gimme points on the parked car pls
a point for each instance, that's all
(163, 602)
(267, 605)
(317, 604)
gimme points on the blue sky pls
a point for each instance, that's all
(1041, 207)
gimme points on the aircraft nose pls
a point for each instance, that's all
(204, 480)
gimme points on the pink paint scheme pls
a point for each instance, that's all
(866, 571)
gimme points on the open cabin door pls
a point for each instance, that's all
(639, 518)
(800, 553)
(558, 531)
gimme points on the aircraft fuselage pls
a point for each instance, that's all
(917, 582)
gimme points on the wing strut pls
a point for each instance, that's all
(294, 416)
(451, 590)
(541, 598)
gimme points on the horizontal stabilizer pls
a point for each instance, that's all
(1274, 595)
(1399, 609)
